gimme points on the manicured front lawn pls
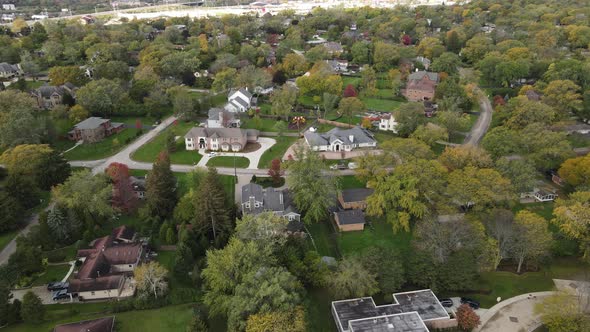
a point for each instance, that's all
(276, 151)
(166, 319)
(149, 151)
(229, 161)
(52, 273)
(105, 148)
(384, 105)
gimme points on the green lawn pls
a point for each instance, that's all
(149, 151)
(324, 237)
(350, 182)
(383, 136)
(265, 124)
(166, 259)
(52, 273)
(578, 140)
(105, 148)
(544, 209)
(276, 151)
(229, 184)
(5, 238)
(229, 161)
(377, 233)
(68, 253)
(166, 319)
(384, 105)
(346, 80)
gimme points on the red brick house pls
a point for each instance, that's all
(94, 129)
(421, 86)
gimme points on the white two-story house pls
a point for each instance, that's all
(387, 123)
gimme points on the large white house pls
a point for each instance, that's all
(9, 71)
(340, 139)
(387, 123)
(239, 101)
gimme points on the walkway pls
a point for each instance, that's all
(514, 314)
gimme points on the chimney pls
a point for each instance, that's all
(351, 138)
(281, 197)
(252, 200)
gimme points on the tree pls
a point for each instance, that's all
(349, 91)
(183, 261)
(124, 197)
(430, 134)
(102, 96)
(23, 189)
(352, 280)
(361, 52)
(533, 237)
(467, 318)
(576, 172)
(524, 112)
(349, 107)
(283, 101)
(150, 279)
(86, 194)
(63, 225)
(18, 124)
(171, 235)
(409, 116)
(277, 321)
(251, 78)
(9, 312)
(563, 312)
(18, 25)
(446, 62)
(368, 81)
(275, 171)
(329, 103)
(385, 56)
(182, 102)
(224, 80)
(266, 229)
(386, 265)
(479, 188)
(312, 185)
(161, 188)
(453, 42)
(294, 65)
(455, 122)
(32, 310)
(572, 215)
(78, 113)
(430, 47)
(317, 53)
(499, 225)
(460, 157)
(62, 75)
(213, 216)
(521, 173)
(564, 96)
(395, 80)
(12, 212)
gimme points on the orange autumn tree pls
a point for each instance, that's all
(123, 198)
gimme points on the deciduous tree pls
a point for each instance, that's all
(467, 318)
(283, 101)
(100, 97)
(124, 197)
(576, 172)
(533, 238)
(277, 321)
(479, 188)
(275, 171)
(32, 310)
(572, 215)
(150, 279)
(352, 280)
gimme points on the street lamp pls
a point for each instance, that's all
(235, 169)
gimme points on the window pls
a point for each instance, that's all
(257, 204)
(91, 293)
(130, 265)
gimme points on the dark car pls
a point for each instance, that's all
(53, 286)
(446, 302)
(472, 303)
(60, 295)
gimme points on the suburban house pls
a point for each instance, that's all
(575, 128)
(49, 96)
(350, 220)
(340, 139)
(219, 139)
(414, 311)
(220, 118)
(107, 267)
(354, 198)
(94, 129)
(104, 324)
(256, 199)
(421, 86)
(387, 123)
(239, 101)
(9, 71)
(334, 47)
(338, 65)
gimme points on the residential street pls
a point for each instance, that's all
(482, 124)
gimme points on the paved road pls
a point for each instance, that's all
(482, 124)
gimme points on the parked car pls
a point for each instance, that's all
(353, 165)
(447, 303)
(212, 154)
(57, 285)
(472, 303)
(60, 295)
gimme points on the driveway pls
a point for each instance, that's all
(40, 291)
(482, 124)
(254, 156)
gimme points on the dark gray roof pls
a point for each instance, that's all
(423, 302)
(246, 93)
(6, 67)
(360, 135)
(419, 74)
(272, 199)
(46, 91)
(405, 322)
(356, 195)
(350, 217)
(138, 183)
(214, 114)
(91, 123)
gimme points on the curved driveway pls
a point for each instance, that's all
(482, 124)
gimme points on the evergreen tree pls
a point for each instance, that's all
(62, 225)
(161, 188)
(32, 309)
(213, 215)
(183, 261)
(23, 189)
(54, 169)
(11, 212)
(163, 231)
(170, 236)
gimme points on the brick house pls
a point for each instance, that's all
(48, 96)
(94, 129)
(350, 220)
(354, 198)
(219, 139)
(421, 86)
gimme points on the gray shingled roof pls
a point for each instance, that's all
(350, 217)
(272, 199)
(214, 114)
(91, 123)
(360, 135)
(46, 91)
(6, 67)
(356, 194)
(215, 132)
(419, 74)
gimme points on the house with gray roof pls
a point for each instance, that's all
(239, 100)
(350, 220)
(256, 200)
(340, 139)
(49, 96)
(221, 118)
(9, 71)
(414, 311)
(219, 139)
(94, 129)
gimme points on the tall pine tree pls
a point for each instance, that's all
(213, 215)
(161, 188)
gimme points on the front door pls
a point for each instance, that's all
(337, 147)
(202, 143)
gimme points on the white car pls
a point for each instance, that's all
(353, 165)
(212, 154)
